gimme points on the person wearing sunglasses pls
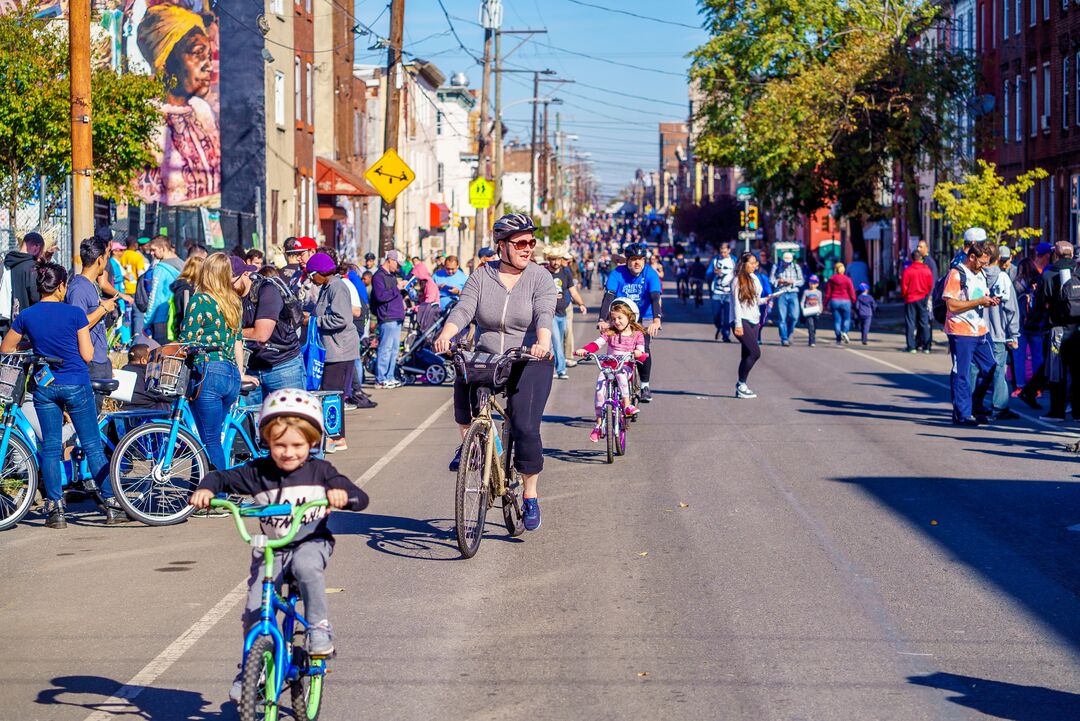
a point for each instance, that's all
(638, 282)
(512, 301)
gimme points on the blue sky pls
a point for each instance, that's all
(619, 131)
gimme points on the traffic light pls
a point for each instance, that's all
(742, 219)
(751, 217)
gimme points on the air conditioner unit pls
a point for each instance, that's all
(1046, 123)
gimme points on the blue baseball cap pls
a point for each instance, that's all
(1043, 249)
(813, 279)
(863, 287)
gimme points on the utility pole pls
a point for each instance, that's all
(532, 146)
(82, 156)
(499, 70)
(393, 113)
(545, 198)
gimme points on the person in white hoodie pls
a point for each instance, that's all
(746, 301)
(1003, 320)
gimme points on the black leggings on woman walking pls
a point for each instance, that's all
(750, 350)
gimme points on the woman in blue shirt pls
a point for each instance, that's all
(57, 329)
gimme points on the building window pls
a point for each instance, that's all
(310, 94)
(298, 86)
(438, 122)
(357, 133)
(440, 179)
(1066, 81)
(279, 97)
(1074, 207)
(1033, 12)
(1006, 110)
(1018, 11)
(1018, 105)
(971, 32)
(277, 7)
(1046, 98)
(1005, 19)
(1046, 10)
(1033, 97)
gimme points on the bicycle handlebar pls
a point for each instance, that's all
(276, 509)
(30, 357)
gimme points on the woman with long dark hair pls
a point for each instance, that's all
(59, 330)
(746, 300)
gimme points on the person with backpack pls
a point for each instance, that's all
(1058, 296)
(720, 275)
(272, 322)
(167, 268)
(18, 287)
(966, 296)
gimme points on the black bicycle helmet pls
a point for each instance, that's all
(510, 224)
(636, 250)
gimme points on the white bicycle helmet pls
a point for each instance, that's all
(630, 305)
(292, 402)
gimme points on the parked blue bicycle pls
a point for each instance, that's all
(156, 466)
(273, 658)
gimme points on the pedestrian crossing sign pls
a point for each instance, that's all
(390, 175)
(481, 193)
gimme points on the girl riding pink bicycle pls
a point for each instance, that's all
(625, 340)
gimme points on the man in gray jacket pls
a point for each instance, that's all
(1003, 321)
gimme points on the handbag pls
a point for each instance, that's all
(483, 369)
(314, 354)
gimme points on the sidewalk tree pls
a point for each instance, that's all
(983, 199)
(35, 114)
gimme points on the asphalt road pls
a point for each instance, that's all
(834, 549)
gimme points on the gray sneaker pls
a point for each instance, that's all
(237, 687)
(743, 391)
(320, 639)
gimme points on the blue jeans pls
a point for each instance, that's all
(289, 374)
(966, 350)
(721, 311)
(787, 308)
(558, 332)
(841, 314)
(999, 384)
(218, 391)
(386, 357)
(1027, 343)
(50, 403)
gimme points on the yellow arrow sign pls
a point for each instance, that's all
(481, 193)
(390, 175)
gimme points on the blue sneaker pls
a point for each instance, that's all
(531, 516)
(455, 462)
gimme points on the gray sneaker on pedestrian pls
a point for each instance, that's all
(743, 391)
(237, 688)
(320, 639)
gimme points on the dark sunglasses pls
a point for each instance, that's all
(522, 244)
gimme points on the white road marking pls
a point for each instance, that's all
(118, 702)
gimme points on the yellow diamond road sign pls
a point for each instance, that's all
(390, 175)
(481, 193)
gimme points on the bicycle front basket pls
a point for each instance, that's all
(483, 369)
(167, 373)
(12, 379)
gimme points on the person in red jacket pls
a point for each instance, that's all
(916, 282)
(840, 297)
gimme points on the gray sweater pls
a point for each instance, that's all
(333, 316)
(1002, 320)
(506, 319)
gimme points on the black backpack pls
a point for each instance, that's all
(1068, 299)
(294, 314)
(940, 308)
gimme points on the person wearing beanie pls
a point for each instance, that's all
(333, 314)
(811, 305)
(865, 305)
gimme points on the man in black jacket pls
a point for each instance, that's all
(20, 263)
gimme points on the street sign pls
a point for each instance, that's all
(744, 191)
(747, 235)
(390, 175)
(481, 193)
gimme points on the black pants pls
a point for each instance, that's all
(526, 395)
(750, 349)
(100, 371)
(645, 369)
(811, 328)
(338, 376)
(917, 324)
(1066, 390)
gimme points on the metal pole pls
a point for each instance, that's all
(82, 158)
(545, 167)
(497, 180)
(393, 114)
(483, 152)
(532, 147)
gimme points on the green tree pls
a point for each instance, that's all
(559, 231)
(985, 200)
(35, 115)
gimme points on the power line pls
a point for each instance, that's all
(630, 95)
(611, 62)
(449, 22)
(635, 15)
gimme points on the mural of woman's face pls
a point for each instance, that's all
(191, 62)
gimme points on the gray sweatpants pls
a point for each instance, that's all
(305, 564)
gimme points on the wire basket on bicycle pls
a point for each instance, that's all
(168, 372)
(12, 377)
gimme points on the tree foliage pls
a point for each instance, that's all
(985, 200)
(817, 99)
(35, 114)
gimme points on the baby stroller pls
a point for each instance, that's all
(416, 360)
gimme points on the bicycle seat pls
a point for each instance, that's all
(104, 385)
(247, 387)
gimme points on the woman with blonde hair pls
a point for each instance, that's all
(213, 319)
(183, 288)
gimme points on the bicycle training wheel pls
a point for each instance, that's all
(18, 482)
(513, 514)
(471, 503)
(609, 433)
(146, 490)
(258, 697)
(306, 694)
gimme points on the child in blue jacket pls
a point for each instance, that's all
(865, 305)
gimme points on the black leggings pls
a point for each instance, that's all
(526, 395)
(750, 350)
(645, 369)
(338, 376)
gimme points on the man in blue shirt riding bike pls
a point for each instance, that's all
(640, 283)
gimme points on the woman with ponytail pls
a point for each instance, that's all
(59, 330)
(746, 300)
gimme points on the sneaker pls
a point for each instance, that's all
(926, 350)
(908, 350)
(631, 411)
(54, 514)
(844, 338)
(811, 345)
(866, 342)
(743, 391)
(596, 434)
(333, 445)
(455, 462)
(114, 514)
(562, 376)
(716, 335)
(571, 363)
(646, 394)
(320, 640)
(1031, 400)
(237, 688)
(1006, 415)
(360, 402)
(531, 516)
(970, 421)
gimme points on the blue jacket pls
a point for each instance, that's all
(165, 272)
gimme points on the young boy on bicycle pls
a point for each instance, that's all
(290, 425)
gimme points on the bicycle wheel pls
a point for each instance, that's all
(609, 432)
(258, 697)
(306, 694)
(513, 517)
(140, 483)
(18, 482)
(471, 503)
(619, 432)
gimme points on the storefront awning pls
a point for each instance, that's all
(333, 178)
(332, 212)
(440, 215)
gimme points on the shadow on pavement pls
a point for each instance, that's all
(159, 704)
(572, 421)
(1004, 700)
(433, 539)
(1012, 533)
(590, 457)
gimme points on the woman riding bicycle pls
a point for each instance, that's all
(213, 319)
(512, 302)
(59, 330)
